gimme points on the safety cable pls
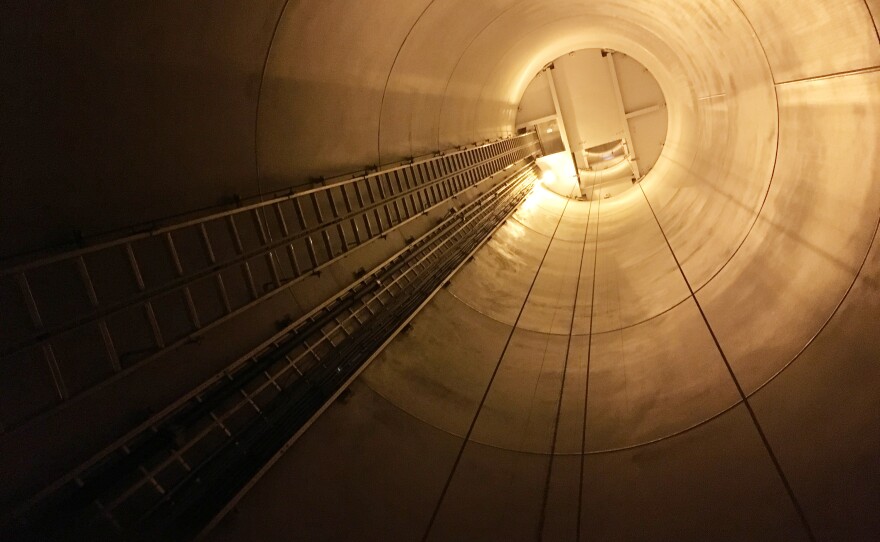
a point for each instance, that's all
(547, 481)
(580, 499)
(473, 423)
(739, 389)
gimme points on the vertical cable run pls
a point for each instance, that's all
(547, 482)
(473, 423)
(580, 499)
(735, 380)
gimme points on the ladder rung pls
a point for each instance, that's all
(180, 459)
(250, 400)
(328, 247)
(152, 480)
(55, 370)
(220, 424)
(333, 208)
(172, 250)
(272, 380)
(154, 325)
(346, 200)
(135, 268)
(300, 215)
(279, 213)
(370, 193)
(357, 232)
(206, 242)
(29, 300)
(317, 207)
(294, 262)
(191, 308)
(109, 347)
(236, 238)
(261, 227)
(343, 239)
(382, 192)
(249, 278)
(224, 296)
(359, 194)
(368, 226)
(380, 227)
(87, 281)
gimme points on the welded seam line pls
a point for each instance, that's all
(603, 332)
(736, 383)
(729, 408)
(260, 97)
(833, 313)
(542, 517)
(455, 69)
(775, 155)
(580, 500)
(489, 385)
(833, 75)
(388, 80)
(261, 194)
(714, 416)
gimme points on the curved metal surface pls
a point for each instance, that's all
(770, 224)
(764, 204)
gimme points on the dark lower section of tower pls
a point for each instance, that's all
(175, 473)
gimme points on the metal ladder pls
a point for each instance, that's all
(159, 474)
(73, 321)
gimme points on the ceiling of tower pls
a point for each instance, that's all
(604, 99)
